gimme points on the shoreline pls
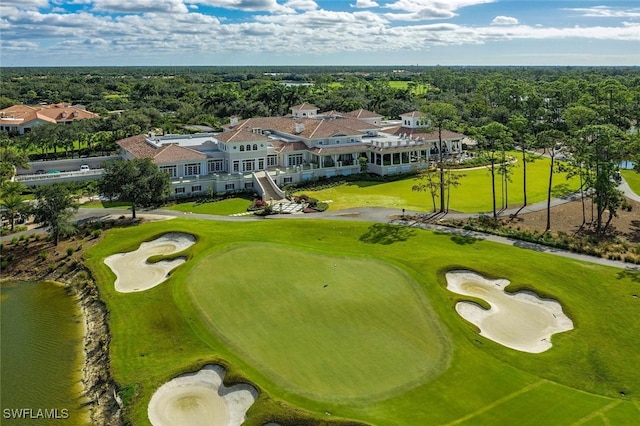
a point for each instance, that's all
(100, 388)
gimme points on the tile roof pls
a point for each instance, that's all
(412, 114)
(363, 113)
(304, 106)
(139, 147)
(420, 133)
(22, 114)
(240, 134)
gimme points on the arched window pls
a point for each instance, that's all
(255, 147)
(248, 147)
(241, 147)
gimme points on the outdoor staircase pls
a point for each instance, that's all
(269, 191)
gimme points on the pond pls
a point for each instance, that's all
(41, 355)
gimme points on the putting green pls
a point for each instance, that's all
(327, 328)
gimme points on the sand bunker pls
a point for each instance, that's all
(134, 273)
(521, 321)
(201, 398)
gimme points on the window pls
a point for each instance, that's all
(295, 159)
(288, 179)
(255, 147)
(248, 185)
(229, 187)
(248, 147)
(172, 171)
(248, 165)
(261, 164)
(178, 190)
(192, 169)
(241, 147)
(196, 188)
(272, 160)
(214, 166)
(236, 166)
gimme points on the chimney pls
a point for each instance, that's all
(233, 121)
(299, 128)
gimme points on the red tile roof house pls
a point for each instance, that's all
(265, 153)
(20, 119)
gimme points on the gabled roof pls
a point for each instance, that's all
(362, 113)
(172, 153)
(312, 128)
(23, 114)
(412, 114)
(140, 147)
(304, 106)
(240, 134)
(420, 133)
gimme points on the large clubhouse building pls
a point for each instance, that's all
(264, 154)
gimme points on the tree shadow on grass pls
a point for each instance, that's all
(385, 234)
(632, 274)
(459, 237)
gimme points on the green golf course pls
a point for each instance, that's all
(351, 321)
(472, 195)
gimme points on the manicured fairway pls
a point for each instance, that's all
(352, 327)
(472, 195)
(382, 343)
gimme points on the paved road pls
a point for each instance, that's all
(387, 215)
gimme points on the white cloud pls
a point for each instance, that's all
(248, 5)
(297, 27)
(421, 10)
(140, 6)
(607, 12)
(301, 4)
(364, 4)
(504, 20)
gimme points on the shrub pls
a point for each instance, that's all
(14, 240)
(69, 251)
(43, 255)
(96, 233)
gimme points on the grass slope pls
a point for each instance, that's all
(159, 334)
(473, 194)
(222, 208)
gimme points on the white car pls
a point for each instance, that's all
(84, 168)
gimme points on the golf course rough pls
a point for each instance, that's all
(327, 328)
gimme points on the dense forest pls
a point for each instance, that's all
(132, 100)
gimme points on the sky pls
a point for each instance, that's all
(318, 32)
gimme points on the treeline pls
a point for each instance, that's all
(133, 100)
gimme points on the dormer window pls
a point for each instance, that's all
(241, 147)
(255, 147)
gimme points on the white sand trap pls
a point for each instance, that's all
(521, 321)
(201, 399)
(134, 273)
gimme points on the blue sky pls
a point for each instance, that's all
(317, 32)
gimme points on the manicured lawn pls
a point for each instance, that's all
(633, 179)
(251, 296)
(223, 208)
(337, 308)
(473, 194)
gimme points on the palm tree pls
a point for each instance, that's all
(442, 116)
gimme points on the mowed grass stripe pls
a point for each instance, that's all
(597, 413)
(538, 405)
(324, 327)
